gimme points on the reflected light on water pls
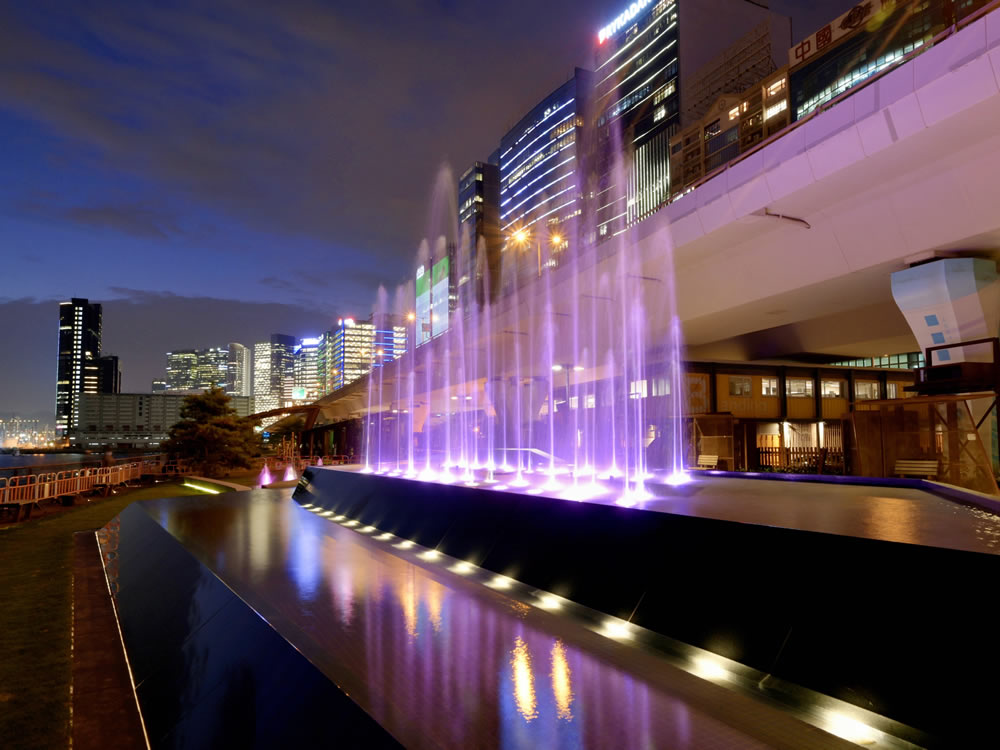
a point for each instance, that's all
(524, 680)
(562, 685)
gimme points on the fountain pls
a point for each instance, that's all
(568, 383)
(289, 475)
(264, 478)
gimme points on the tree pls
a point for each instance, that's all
(212, 436)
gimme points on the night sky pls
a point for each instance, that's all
(219, 171)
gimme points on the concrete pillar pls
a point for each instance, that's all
(950, 300)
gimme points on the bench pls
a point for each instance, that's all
(908, 467)
(707, 462)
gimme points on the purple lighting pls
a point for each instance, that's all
(570, 377)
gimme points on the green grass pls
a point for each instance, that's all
(36, 575)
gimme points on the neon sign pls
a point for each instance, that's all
(627, 15)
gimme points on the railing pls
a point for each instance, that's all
(153, 461)
(813, 460)
(33, 488)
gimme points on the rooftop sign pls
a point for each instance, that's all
(624, 17)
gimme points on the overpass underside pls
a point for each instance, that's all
(787, 253)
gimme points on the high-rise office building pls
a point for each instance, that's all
(305, 368)
(273, 372)
(541, 188)
(658, 62)
(867, 39)
(357, 348)
(79, 369)
(238, 371)
(479, 219)
(197, 369)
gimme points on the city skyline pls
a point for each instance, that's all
(187, 233)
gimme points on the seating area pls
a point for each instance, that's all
(706, 462)
(921, 468)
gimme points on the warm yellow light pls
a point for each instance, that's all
(851, 729)
(556, 239)
(520, 235)
(411, 316)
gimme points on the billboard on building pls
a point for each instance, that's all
(439, 297)
(423, 307)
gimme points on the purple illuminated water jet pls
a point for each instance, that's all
(565, 365)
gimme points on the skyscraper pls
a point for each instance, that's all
(77, 370)
(197, 369)
(541, 191)
(273, 372)
(307, 385)
(357, 348)
(660, 65)
(238, 371)
(479, 217)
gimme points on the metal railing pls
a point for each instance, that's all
(34, 488)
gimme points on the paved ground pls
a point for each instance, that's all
(105, 714)
(889, 513)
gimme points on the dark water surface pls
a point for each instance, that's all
(444, 663)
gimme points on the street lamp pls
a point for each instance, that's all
(522, 238)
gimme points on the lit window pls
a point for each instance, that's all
(865, 390)
(589, 401)
(832, 388)
(776, 109)
(739, 385)
(734, 113)
(891, 390)
(799, 387)
(637, 389)
(775, 87)
(659, 114)
(769, 387)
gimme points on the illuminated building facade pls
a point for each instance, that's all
(306, 371)
(80, 368)
(541, 170)
(479, 219)
(869, 38)
(273, 372)
(649, 59)
(239, 370)
(197, 369)
(733, 124)
(358, 347)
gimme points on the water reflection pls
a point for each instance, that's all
(524, 681)
(437, 662)
(562, 681)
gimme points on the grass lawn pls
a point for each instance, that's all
(36, 574)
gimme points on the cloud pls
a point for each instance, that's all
(305, 118)
(130, 219)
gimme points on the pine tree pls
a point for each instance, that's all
(212, 436)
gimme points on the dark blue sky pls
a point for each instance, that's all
(219, 170)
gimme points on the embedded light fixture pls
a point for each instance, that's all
(709, 669)
(850, 729)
